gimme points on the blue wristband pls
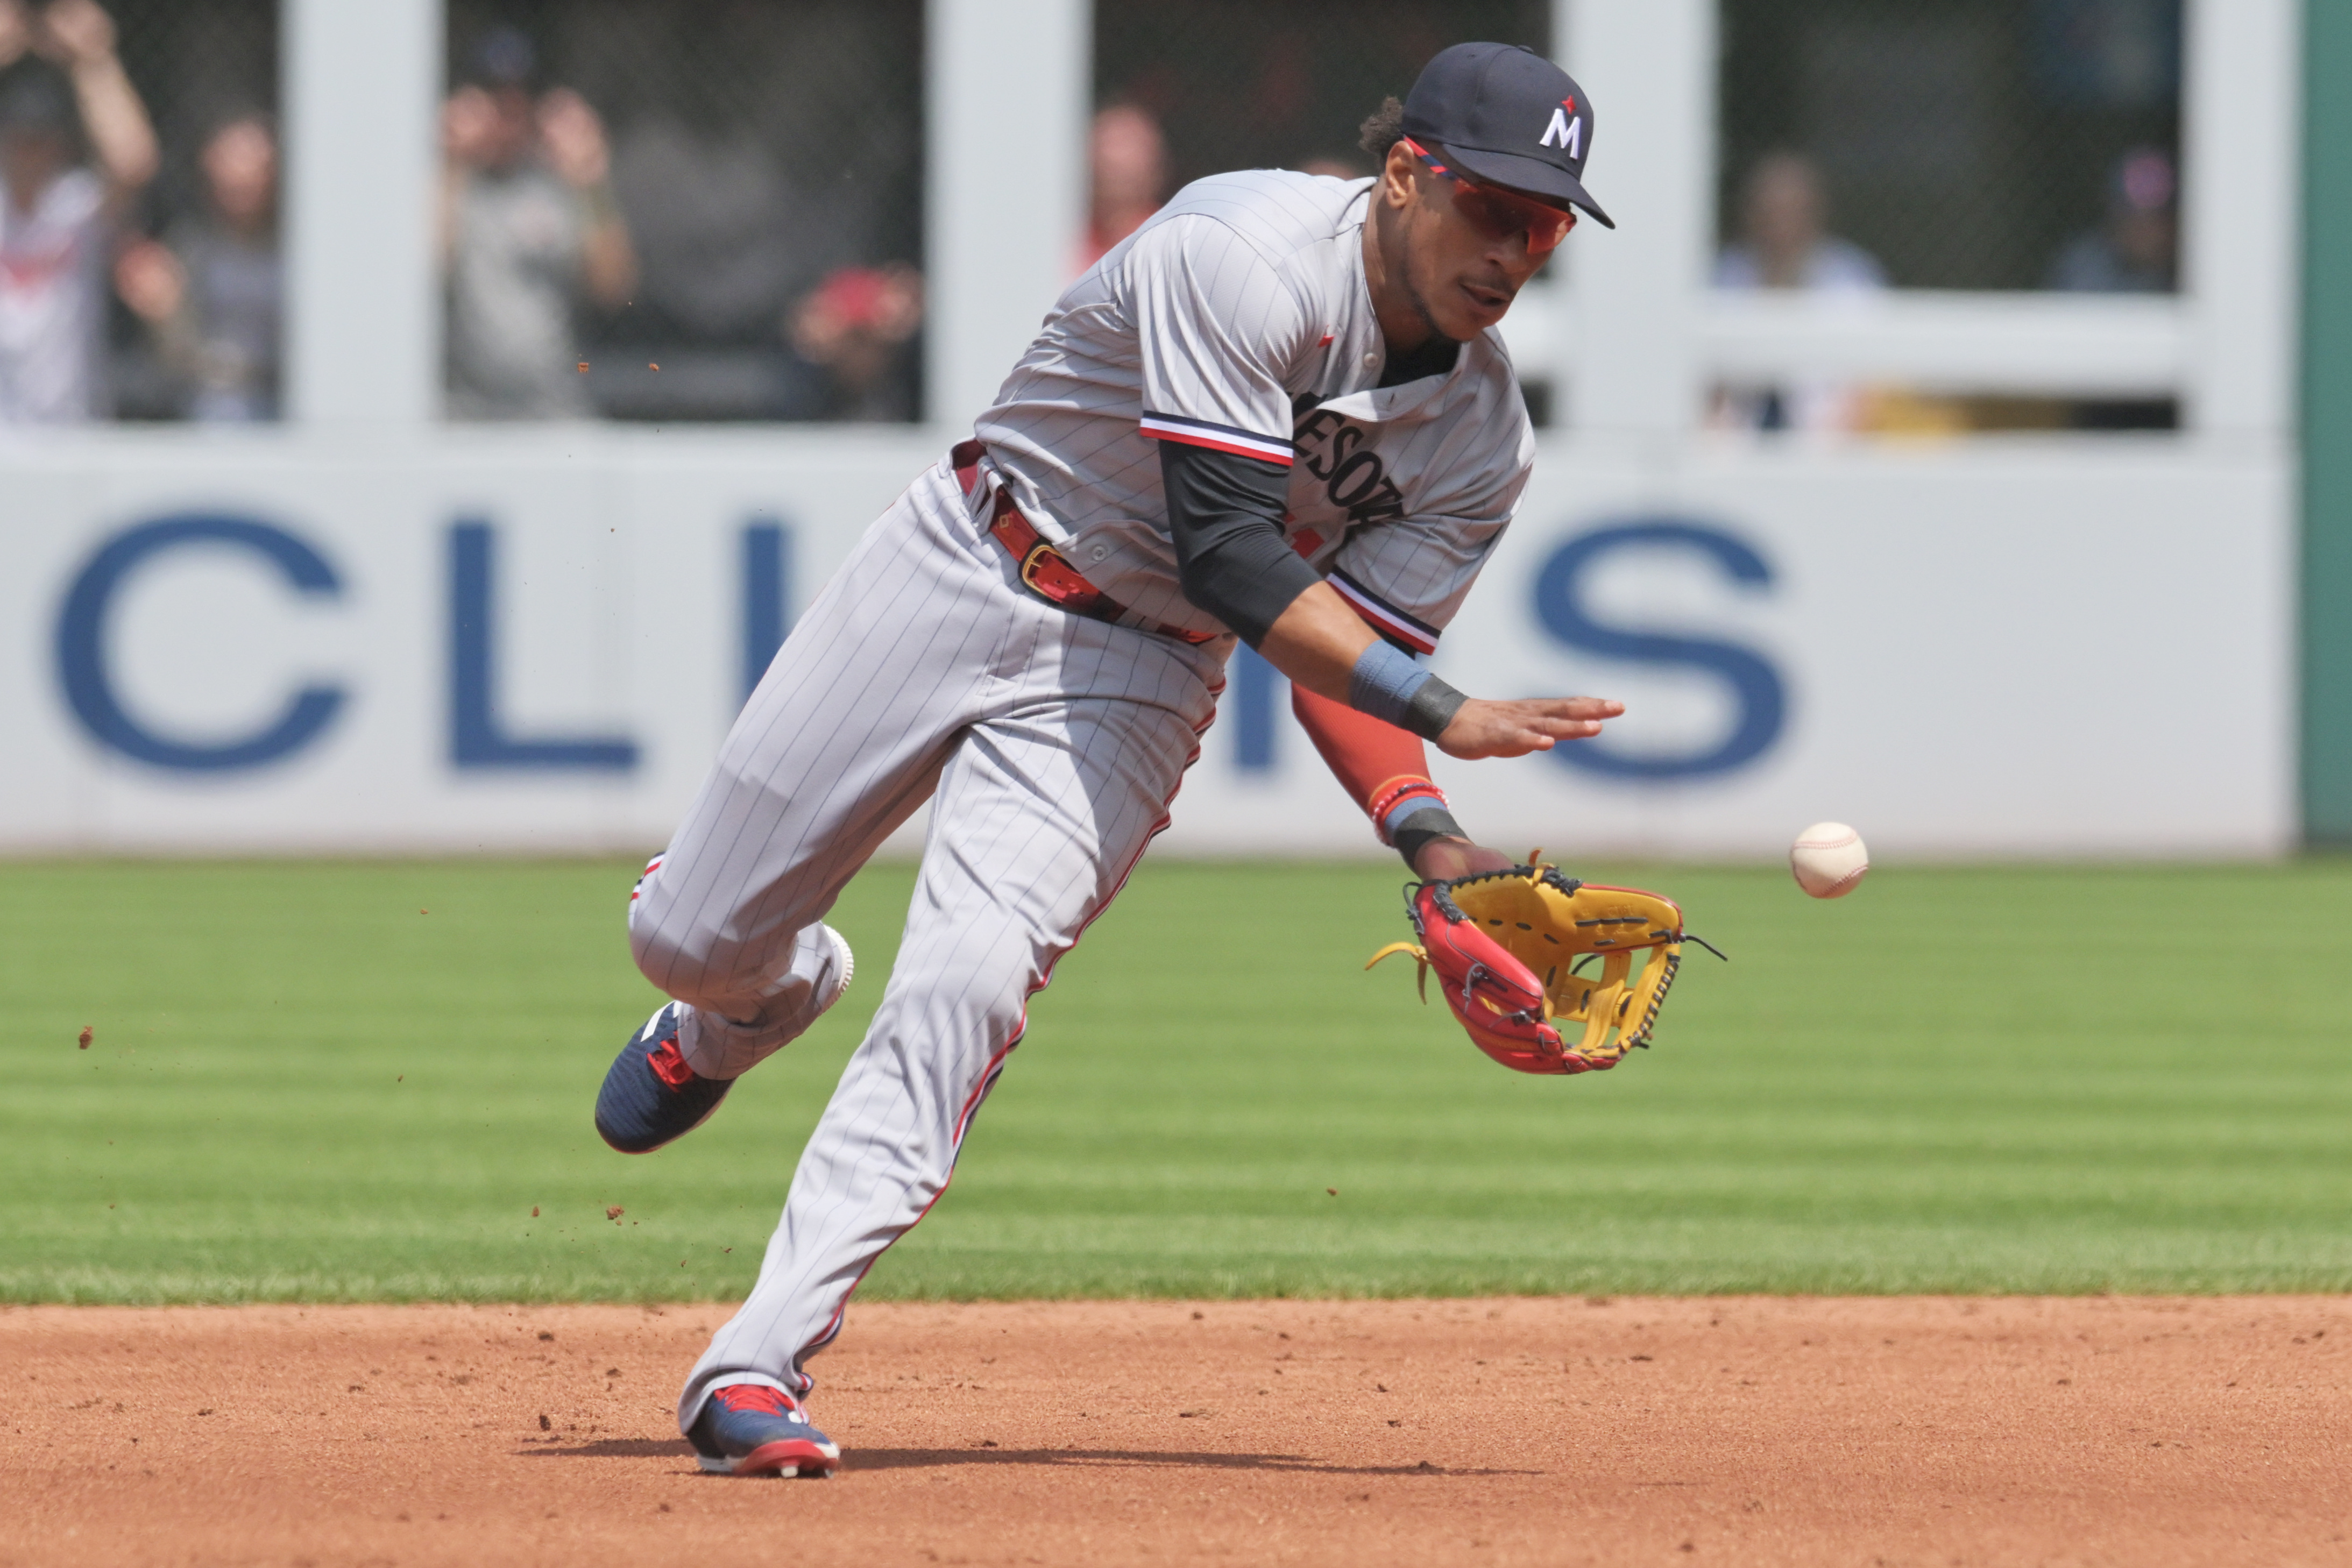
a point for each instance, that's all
(1387, 684)
(1432, 800)
(1383, 682)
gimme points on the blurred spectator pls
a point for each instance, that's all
(712, 215)
(530, 234)
(855, 334)
(1785, 244)
(1128, 159)
(2136, 251)
(57, 217)
(212, 292)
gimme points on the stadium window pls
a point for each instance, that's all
(694, 211)
(140, 264)
(2000, 145)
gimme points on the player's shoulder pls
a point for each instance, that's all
(1278, 212)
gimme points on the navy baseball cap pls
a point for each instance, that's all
(1507, 116)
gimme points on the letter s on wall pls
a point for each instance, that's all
(1756, 686)
(82, 644)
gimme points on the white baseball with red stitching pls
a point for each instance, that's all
(1829, 860)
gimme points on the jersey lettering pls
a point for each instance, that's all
(1355, 481)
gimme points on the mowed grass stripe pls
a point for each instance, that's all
(1975, 1080)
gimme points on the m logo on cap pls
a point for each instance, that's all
(1565, 131)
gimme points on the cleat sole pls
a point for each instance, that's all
(790, 1456)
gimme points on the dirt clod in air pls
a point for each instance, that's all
(615, 1213)
(88, 1034)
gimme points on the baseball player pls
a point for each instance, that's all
(1279, 413)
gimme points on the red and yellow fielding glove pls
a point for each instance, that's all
(1508, 948)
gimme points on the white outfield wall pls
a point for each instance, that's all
(535, 641)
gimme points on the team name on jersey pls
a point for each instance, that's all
(1342, 461)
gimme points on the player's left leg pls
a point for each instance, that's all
(1040, 812)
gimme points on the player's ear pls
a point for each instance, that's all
(1399, 177)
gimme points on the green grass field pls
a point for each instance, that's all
(303, 1086)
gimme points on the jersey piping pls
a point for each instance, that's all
(1217, 437)
(1386, 618)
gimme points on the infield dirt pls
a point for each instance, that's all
(1754, 1431)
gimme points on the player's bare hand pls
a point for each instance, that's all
(1443, 860)
(1514, 728)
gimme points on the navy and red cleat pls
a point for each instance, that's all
(650, 1095)
(752, 1429)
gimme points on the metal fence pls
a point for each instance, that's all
(761, 164)
(1974, 144)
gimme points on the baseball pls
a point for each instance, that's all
(1828, 859)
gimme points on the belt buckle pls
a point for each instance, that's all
(1039, 555)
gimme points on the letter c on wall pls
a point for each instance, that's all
(82, 644)
(1756, 687)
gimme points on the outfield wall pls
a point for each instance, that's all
(534, 642)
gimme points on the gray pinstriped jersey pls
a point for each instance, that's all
(1238, 319)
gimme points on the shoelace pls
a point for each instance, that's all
(668, 1064)
(742, 1396)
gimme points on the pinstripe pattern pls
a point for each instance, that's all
(1055, 744)
(1243, 306)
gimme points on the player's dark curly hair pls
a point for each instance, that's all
(1382, 130)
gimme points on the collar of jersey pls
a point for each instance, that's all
(1413, 400)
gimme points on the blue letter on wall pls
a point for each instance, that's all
(81, 637)
(477, 738)
(1257, 686)
(1755, 686)
(767, 597)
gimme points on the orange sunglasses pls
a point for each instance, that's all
(1498, 213)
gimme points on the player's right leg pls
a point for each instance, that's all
(842, 741)
(1044, 805)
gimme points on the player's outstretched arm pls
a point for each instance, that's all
(1386, 771)
(1234, 563)
(1322, 644)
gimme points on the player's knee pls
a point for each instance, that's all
(688, 959)
(659, 941)
(656, 954)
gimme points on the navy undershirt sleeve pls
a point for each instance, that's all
(1224, 510)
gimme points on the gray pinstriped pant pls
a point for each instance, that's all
(1050, 745)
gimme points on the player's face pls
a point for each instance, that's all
(1467, 248)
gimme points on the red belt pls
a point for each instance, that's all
(1044, 570)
